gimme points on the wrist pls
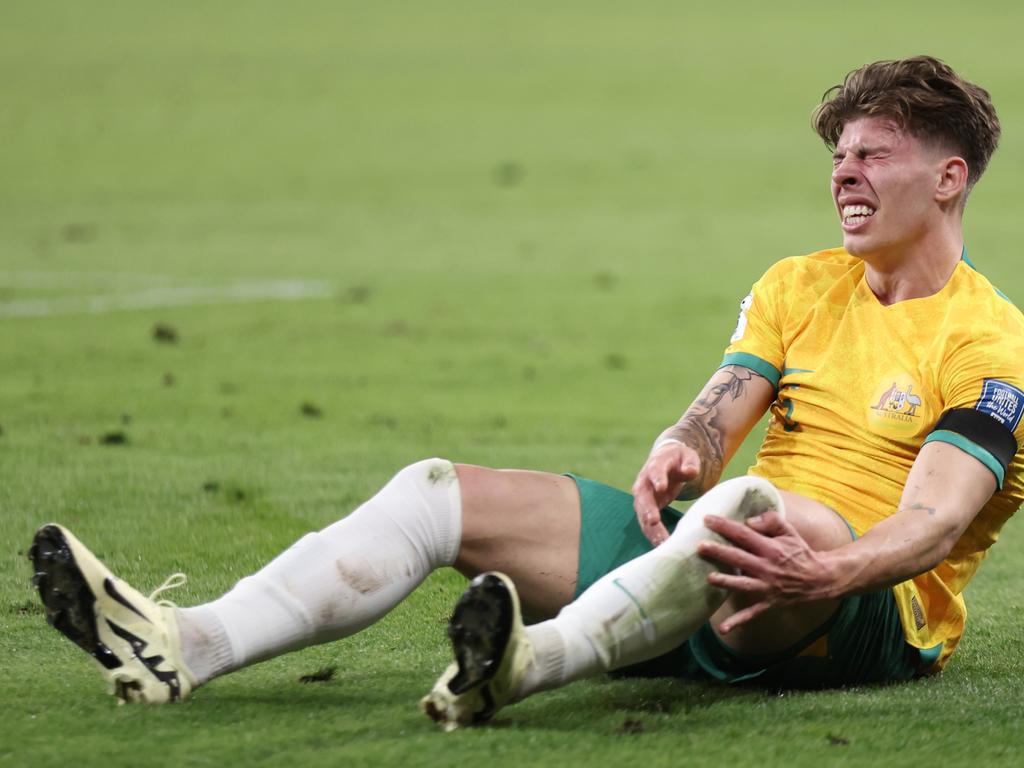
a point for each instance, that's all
(839, 573)
(665, 441)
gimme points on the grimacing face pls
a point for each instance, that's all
(884, 183)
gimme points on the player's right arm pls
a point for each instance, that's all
(687, 458)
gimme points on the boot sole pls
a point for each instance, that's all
(66, 595)
(479, 630)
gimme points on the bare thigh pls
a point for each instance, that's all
(780, 628)
(525, 524)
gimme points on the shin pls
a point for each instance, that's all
(335, 582)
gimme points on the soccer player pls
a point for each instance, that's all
(893, 373)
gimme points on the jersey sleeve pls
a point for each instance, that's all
(983, 393)
(757, 341)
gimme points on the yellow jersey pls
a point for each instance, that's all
(861, 387)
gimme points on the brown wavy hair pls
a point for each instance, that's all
(925, 98)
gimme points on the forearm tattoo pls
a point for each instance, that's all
(700, 429)
(919, 507)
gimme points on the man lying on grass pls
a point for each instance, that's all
(893, 371)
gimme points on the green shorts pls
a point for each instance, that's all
(863, 642)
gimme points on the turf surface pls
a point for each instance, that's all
(533, 224)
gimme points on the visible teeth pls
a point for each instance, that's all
(856, 214)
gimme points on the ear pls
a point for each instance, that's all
(952, 181)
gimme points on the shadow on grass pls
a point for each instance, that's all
(378, 702)
(628, 697)
(635, 705)
(291, 695)
(391, 698)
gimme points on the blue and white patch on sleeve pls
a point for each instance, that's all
(741, 324)
(1003, 402)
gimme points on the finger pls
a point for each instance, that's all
(647, 510)
(642, 486)
(738, 583)
(647, 474)
(660, 469)
(743, 616)
(731, 557)
(656, 534)
(689, 467)
(737, 533)
(771, 523)
(647, 515)
(661, 488)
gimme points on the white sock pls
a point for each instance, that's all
(647, 606)
(331, 584)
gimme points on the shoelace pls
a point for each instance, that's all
(173, 581)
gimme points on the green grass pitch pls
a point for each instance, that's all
(524, 229)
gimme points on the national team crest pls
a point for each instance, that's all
(897, 407)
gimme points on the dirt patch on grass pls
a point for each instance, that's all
(311, 410)
(165, 334)
(322, 675)
(114, 437)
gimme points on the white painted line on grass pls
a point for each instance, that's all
(78, 279)
(169, 296)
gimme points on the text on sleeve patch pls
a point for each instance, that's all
(1002, 401)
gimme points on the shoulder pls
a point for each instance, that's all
(813, 272)
(981, 324)
(990, 309)
(983, 335)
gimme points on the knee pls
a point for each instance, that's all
(819, 525)
(427, 474)
(427, 491)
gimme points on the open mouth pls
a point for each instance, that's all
(854, 215)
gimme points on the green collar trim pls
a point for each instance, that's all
(963, 257)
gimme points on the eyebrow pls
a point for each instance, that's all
(865, 149)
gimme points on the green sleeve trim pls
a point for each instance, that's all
(754, 363)
(972, 448)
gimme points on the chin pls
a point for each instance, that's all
(855, 246)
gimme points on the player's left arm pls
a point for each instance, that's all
(945, 490)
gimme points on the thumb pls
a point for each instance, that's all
(689, 466)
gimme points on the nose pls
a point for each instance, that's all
(845, 172)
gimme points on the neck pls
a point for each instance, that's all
(915, 270)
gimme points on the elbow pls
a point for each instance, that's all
(940, 551)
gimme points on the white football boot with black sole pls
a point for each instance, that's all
(133, 639)
(492, 655)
